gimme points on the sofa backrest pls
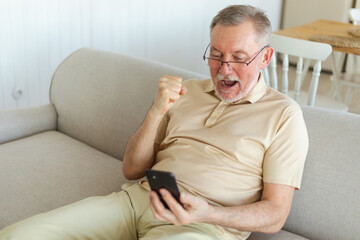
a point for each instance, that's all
(101, 98)
(328, 204)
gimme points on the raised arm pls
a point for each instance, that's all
(140, 151)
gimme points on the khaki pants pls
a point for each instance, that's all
(125, 215)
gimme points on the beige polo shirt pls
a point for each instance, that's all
(224, 152)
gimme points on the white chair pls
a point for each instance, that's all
(354, 15)
(303, 50)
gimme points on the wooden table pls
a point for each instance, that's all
(325, 27)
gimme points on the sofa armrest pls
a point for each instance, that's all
(19, 123)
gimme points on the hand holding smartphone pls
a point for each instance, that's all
(162, 179)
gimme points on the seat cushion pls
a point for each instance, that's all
(49, 170)
(282, 235)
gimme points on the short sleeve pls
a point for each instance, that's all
(284, 160)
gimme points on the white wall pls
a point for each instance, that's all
(36, 35)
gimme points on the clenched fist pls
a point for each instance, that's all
(169, 91)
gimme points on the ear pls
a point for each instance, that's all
(269, 51)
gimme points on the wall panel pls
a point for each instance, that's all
(36, 35)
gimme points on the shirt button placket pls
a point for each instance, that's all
(215, 114)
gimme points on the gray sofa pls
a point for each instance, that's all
(59, 153)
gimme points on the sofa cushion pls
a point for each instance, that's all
(101, 98)
(327, 205)
(49, 170)
(282, 235)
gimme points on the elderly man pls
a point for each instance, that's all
(236, 146)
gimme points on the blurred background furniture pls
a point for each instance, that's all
(354, 15)
(350, 78)
(332, 32)
(301, 49)
(298, 13)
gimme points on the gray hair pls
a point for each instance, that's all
(236, 14)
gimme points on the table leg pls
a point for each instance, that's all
(335, 87)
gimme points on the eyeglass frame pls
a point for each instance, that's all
(228, 62)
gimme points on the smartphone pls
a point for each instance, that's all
(161, 179)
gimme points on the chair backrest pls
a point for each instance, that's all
(354, 15)
(301, 49)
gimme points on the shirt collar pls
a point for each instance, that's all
(254, 95)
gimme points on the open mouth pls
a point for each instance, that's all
(228, 83)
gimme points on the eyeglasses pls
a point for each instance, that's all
(221, 62)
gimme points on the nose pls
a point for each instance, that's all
(225, 68)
